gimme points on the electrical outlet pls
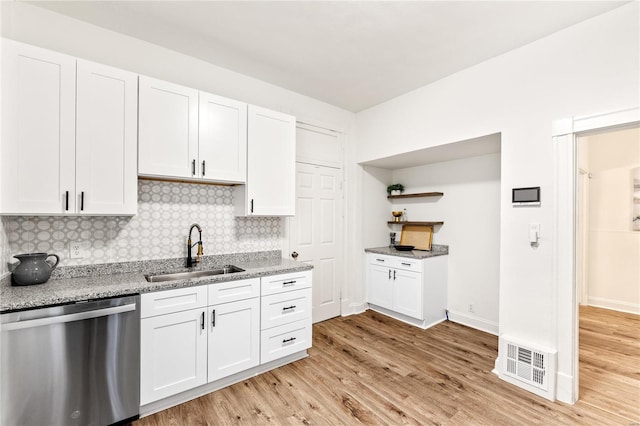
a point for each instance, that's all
(76, 250)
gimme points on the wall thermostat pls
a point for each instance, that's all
(526, 196)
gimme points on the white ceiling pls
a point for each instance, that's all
(352, 54)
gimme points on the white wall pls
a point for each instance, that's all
(470, 209)
(614, 249)
(589, 68)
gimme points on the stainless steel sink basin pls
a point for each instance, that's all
(227, 269)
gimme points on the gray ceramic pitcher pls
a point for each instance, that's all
(33, 268)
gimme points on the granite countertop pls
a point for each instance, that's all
(76, 283)
(436, 250)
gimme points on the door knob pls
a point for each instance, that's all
(294, 255)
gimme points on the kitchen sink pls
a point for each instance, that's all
(227, 269)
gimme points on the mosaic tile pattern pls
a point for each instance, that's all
(4, 252)
(166, 210)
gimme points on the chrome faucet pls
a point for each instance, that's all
(190, 261)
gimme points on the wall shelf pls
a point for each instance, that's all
(411, 222)
(417, 195)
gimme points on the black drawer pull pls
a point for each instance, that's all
(290, 339)
(193, 167)
(380, 260)
(286, 308)
(202, 321)
(66, 202)
(213, 318)
(289, 282)
(394, 274)
(82, 201)
(405, 264)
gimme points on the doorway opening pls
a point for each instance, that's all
(607, 269)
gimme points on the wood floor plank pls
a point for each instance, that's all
(370, 369)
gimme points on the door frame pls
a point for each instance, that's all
(565, 220)
(286, 224)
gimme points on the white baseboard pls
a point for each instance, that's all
(564, 388)
(474, 322)
(353, 309)
(616, 305)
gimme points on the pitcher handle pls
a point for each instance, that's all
(55, 265)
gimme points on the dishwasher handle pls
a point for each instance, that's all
(79, 316)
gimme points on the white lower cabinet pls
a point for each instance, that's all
(173, 354)
(416, 289)
(234, 333)
(286, 315)
(193, 337)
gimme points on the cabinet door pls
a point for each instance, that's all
(270, 189)
(407, 293)
(222, 138)
(106, 140)
(173, 354)
(380, 286)
(38, 137)
(168, 129)
(234, 337)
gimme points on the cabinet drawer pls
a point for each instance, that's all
(233, 291)
(380, 259)
(286, 282)
(284, 308)
(169, 301)
(414, 265)
(285, 340)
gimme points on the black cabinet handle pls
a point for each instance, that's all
(193, 167)
(288, 283)
(66, 202)
(202, 321)
(405, 264)
(389, 273)
(286, 308)
(394, 274)
(252, 205)
(202, 167)
(380, 260)
(82, 201)
(213, 318)
(291, 339)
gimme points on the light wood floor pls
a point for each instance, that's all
(370, 369)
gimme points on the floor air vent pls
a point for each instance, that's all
(535, 367)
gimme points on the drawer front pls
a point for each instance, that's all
(284, 308)
(414, 265)
(380, 259)
(232, 291)
(169, 301)
(285, 282)
(285, 340)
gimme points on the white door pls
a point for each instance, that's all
(37, 150)
(316, 234)
(173, 354)
(271, 163)
(234, 337)
(168, 129)
(106, 140)
(222, 139)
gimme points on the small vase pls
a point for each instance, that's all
(396, 192)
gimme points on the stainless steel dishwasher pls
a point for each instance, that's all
(75, 364)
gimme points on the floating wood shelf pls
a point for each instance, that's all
(421, 194)
(414, 223)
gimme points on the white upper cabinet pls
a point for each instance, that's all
(271, 164)
(222, 139)
(168, 129)
(106, 140)
(68, 137)
(38, 138)
(190, 135)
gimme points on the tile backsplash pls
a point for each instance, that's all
(166, 210)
